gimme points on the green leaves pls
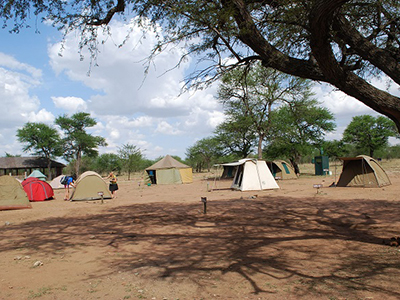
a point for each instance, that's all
(40, 138)
(204, 153)
(298, 127)
(131, 157)
(77, 141)
(368, 133)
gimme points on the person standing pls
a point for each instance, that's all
(68, 182)
(113, 184)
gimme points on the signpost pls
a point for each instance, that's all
(317, 186)
(204, 200)
(101, 194)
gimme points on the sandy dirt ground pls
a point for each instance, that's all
(156, 242)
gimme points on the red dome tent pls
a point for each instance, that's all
(37, 190)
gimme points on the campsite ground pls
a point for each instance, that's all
(155, 242)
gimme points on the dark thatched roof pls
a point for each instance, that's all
(27, 163)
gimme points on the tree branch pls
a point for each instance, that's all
(120, 7)
(271, 57)
(321, 18)
(380, 58)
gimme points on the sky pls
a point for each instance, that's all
(40, 81)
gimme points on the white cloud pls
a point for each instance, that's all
(17, 102)
(70, 104)
(339, 103)
(42, 116)
(165, 128)
(120, 80)
(345, 107)
(133, 107)
(8, 62)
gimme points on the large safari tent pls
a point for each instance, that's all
(90, 186)
(12, 195)
(169, 171)
(362, 171)
(252, 174)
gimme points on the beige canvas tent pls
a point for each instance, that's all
(252, 175)
(362, 171)
(89, 186)
(169, 171)
(282, 170)
(12, 195)
(56, 183)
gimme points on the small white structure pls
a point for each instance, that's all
(252, 175)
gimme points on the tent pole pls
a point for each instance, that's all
(258, 175)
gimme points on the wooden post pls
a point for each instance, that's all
(204, 200)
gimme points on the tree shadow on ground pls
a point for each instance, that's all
(322, 246)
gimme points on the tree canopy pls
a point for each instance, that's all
(368, 133)
(298, 127)
(106, 163)
(236, 137)
(341, 42)
(77, 140)
(204, 153)
(251, 94)
(131, 158)
(42, 140)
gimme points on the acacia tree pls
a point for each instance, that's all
(107, 162)
(77, 141)
(298, 127)
(251, 94)
(368, 133)
(236, 137)
(336, 149)
(42, 139)
(204, 153)
(341, 42)
(131, 157)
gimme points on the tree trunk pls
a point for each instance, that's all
(49, 168)
(295, 165)
(259, 147)
(77, 164)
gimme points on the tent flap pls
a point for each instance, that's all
(186, 175)
(168, 176)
